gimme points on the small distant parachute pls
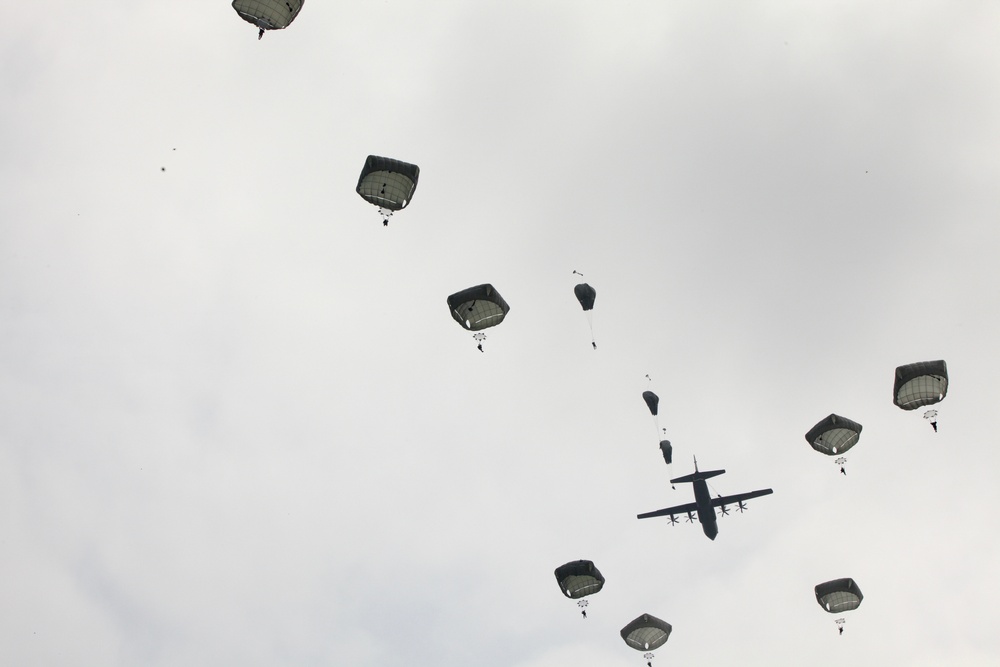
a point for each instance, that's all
(652, 402)
(920, 384)
(646, 633)
(586, 295)
(838, 596)
(268, 14)
(578, 579)
(478, 308)
(388, 184)
(833, 436)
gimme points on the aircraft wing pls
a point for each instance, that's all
(739, 497)
(679, 509)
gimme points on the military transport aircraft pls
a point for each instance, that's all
(704, 503)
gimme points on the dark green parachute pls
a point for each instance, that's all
(834, 435)
(839, 595)
(920, 384)
(646, 633)
(579, 578)
(268, 14)
(388, 184)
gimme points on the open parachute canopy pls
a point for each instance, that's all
(388, 183)
(646, 633)
(920, 384)
(839, 595)
(579, 578)
(652, 401)
(478, 307)
(834, 435)
(585, 294)
(268, 14)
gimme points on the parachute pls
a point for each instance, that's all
(646, 633)
(388, 184)
(920, 384)
(668, 451)
(833, 436)
(652, 401)
(586, 294)
(578, 579)
(477, 308)
(838, 596)
(268, 14)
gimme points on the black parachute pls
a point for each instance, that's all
(839, 595)
(388, 184)
(834, 435)
(668, 451)
(268, 14)
(586, 295)
(478, 308)
(579, 578)
(652, 401)
(646, 633)
(920, 384)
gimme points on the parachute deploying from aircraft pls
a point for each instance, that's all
(586, 295)
(668, 451)
(268, 14)
(833, 436)
(478, 308)
(919, 384)
(646, 633)
(652, 402)
(837, 596)
(388, 184)
(578, 579)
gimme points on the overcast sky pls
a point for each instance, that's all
(239, 426)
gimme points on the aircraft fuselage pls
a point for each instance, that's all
(706, 512)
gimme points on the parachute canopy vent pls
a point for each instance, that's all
(478, 307)
(646, 633)
(268, 14)
(585, 294)
(579, 578)
(919, 384)
(388, 183)
(839, 595)
(834, 435)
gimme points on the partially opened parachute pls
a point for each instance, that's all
(586, 295)
(920, 384)
(268, 14)
(652, 401)
(646, 633)
(839, 595)
(834, 435)
(667, 450)
(579, 578)
(388, 184)
(478, 307)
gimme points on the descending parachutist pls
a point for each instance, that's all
(584, 612)
(480, 346)
(260, 35)
(841, 629)
(594, 344)
(842, 471)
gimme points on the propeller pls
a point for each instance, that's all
(724, 510)
(673, 520)
(741, 506)
(690, 517)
